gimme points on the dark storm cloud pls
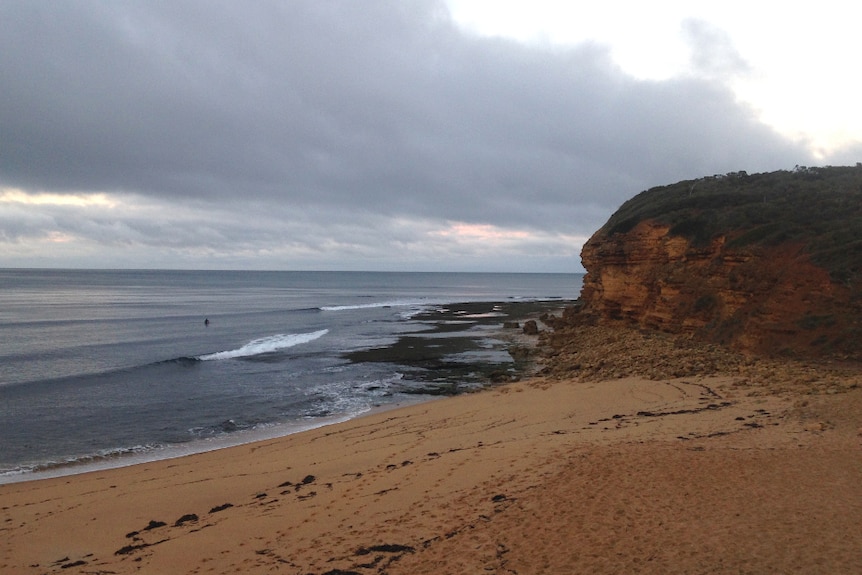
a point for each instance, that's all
(311, 109)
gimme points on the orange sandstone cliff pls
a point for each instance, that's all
(768, 263)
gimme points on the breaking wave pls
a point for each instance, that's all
(396, 303)
(267, 344)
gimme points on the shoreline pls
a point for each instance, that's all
(551, 474)
(533, 477)
(450, 322)
(145, 455)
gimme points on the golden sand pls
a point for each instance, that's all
(622, 476)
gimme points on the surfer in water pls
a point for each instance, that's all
(207, 321)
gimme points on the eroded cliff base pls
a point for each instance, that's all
(578, 348)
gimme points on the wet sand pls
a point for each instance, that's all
(688, 475)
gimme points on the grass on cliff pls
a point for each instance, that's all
(820, 208)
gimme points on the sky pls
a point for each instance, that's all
(402, 135)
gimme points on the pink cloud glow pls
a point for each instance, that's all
(481, 232)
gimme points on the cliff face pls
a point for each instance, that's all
(766, 298)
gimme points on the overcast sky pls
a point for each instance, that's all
(387, 135)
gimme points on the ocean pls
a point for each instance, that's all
(107, 368)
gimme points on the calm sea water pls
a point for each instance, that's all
(102, 368)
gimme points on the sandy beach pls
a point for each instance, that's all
(685, 475)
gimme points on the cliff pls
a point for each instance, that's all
(766, 263)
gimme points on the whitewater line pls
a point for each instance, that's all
(266, 345)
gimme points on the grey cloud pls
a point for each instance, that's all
(257, 117)
(712, 51)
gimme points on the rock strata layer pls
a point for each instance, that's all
(765, 297)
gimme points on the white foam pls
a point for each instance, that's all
(396, 303)
(112, 459)
(266, 345)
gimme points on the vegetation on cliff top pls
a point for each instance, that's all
(819, 208)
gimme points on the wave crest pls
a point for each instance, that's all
(380, 304)
(266, 345)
